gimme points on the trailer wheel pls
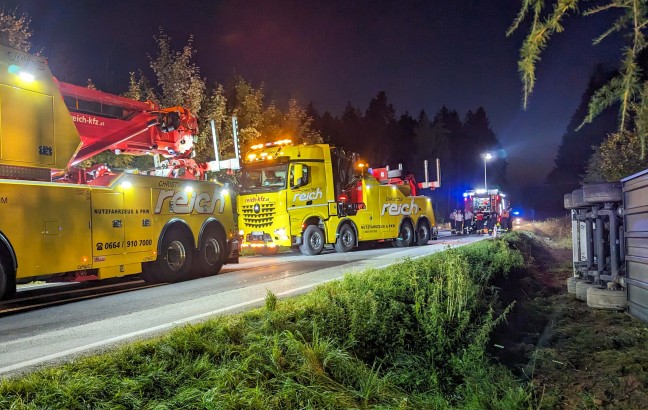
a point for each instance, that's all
(581, 289)
(423, 234)
(346, 239)
(602, 192)
(313, 243)
(602, 298)
(7, 282)
(405, 236)
(210, 254)
(173, 264)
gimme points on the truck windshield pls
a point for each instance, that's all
(481, 204)
(265, 179)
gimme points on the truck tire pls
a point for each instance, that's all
(346, 239)
(602, 192)
(174, 262)
(7, 282)
(423, 233)
(211, 254)
(405, 236)
(434, 233)
(581, 289)
(569, 204)
(602, 298)
(571, 284)
(577, 199)
(313, 242)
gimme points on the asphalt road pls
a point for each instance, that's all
(60, 333)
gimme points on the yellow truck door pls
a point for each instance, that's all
(138, 220)
(108, 222)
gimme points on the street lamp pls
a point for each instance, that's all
(487, 156)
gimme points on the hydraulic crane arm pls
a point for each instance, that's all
(111, 122)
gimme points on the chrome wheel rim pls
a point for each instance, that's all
(176, 256)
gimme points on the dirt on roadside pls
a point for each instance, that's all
(574, 356)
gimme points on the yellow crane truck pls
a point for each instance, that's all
(309, 196)
(57, 218)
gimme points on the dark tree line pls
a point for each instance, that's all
(578, 144)
(383, 138)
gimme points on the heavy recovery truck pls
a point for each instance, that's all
(309, 196)
(58, 219)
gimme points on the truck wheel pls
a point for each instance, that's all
(173, 264)
(434, 233)
(313, 243)
(567, 201)
(346, 239)
(423, 234)
(581, 289)
(602, 192)
(405, 236)
(577, 199)
(602, 298)
(210, 254)
(7, 283)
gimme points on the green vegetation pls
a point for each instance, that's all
(412, 336)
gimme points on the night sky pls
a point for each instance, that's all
(423, 54)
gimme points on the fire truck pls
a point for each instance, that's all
(486, 206)
(59, 219)
(310, 196)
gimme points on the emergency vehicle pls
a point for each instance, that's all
(309, 196)
(60, 219)
(486, 206)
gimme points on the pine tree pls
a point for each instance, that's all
(629, 88)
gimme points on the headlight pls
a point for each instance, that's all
(241, 232)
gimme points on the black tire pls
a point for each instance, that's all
(602, 192)
(313, 241)
(405, 236)
(174, 262)
(602, 298)
(581, 289)
(346, 239)
(577, 199)
(434, 234)
(423, 233)
(567, 200)
(211, 254)
(268, 251)
(7, 282)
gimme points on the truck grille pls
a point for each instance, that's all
(261, 219)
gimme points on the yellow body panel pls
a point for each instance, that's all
(281, 216)
(36, 129)
(55, 228)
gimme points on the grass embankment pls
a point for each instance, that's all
(412, 336)
(573, 356)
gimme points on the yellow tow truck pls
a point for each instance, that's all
(59, 219)
(309, 196)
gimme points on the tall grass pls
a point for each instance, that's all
(411, 336)
(555, 231)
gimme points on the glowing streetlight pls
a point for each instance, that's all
(487, 156)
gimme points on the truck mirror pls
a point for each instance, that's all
(298, 177)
